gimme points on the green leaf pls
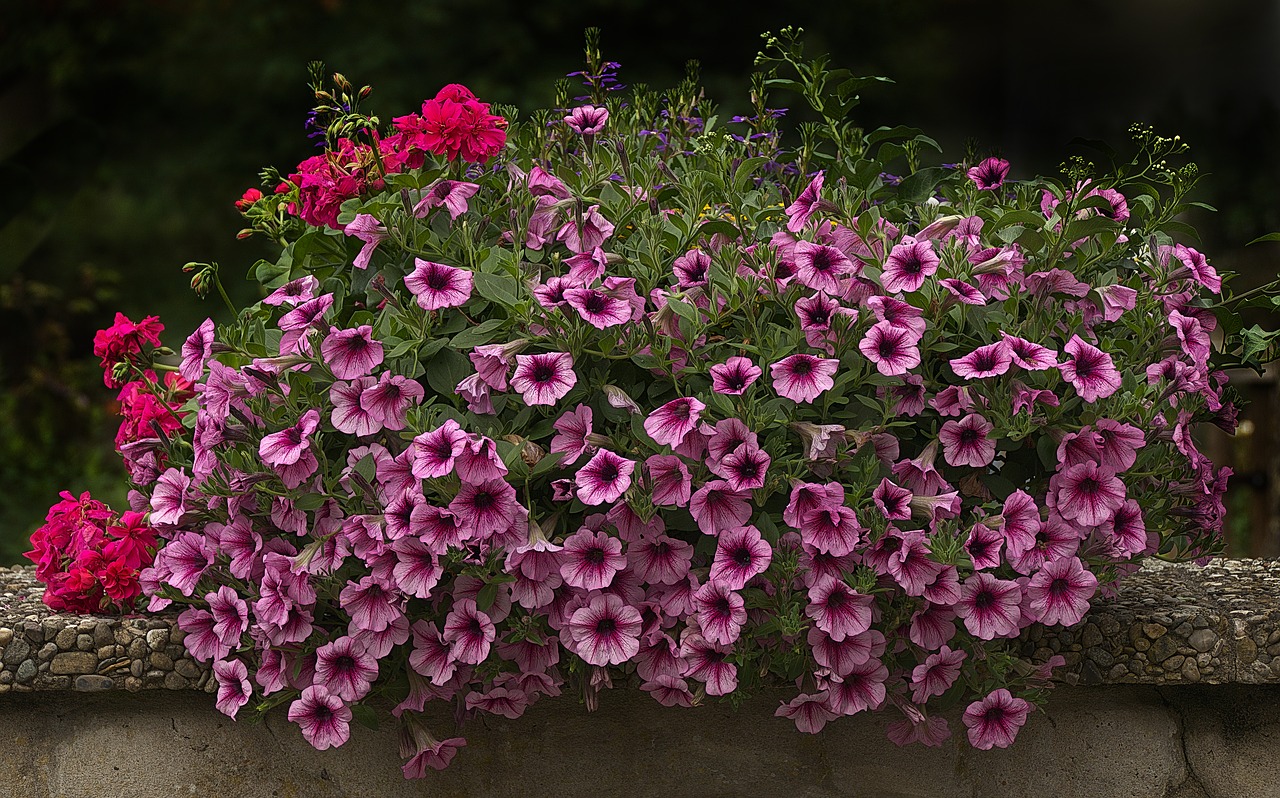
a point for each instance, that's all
(367, 468)
(1024, 218)
(446, 369)
(475, 336)
(1267, 237)
(1083, 228)
(496, 288)
(486, 596)
(919, 186)
(271, 275)
(309, 501)
(365, 716)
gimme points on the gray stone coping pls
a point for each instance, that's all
(1168, 624)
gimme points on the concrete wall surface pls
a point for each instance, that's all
(1117, 741)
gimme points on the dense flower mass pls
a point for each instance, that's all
(592, 398)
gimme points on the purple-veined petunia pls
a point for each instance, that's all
(989, 606)
(604, 478)
(994, 721)
(741, 553)
(802, 378)
(324, 718)
(734, 376)
(437, 286)
(469, 632)
(669, 424)
(990, 360)
(1087, 493)
(990, 174)
(802, 209)
(936, 674)
(345, 668)
(838, 610)
(544, 379)
(590, 559)
(285, 447)
(1059, 592)
(721, 612)
(967, 442)
(821, 266)
(1090, 370)
(908, 265)
(606, 631)
(234, 690)
(891, 347)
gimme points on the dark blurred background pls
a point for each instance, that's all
(128, 128)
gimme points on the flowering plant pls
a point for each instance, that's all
(624, 392)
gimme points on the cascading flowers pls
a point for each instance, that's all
(609, 396)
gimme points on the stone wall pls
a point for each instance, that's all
(1134, 719)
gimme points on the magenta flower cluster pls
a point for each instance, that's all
(605, 413)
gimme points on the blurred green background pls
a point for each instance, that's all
(128, 128)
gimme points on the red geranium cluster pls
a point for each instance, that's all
(325, 181)
(122, 343)
(454, 123)
(150, 408)
(88, 557)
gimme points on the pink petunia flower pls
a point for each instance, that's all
(809, 711)
(1089, 370)
(831, 529)
(294, 292)
(860, 690)
(324, 718)
(606, 631)
(285, 447)
(908, 265)
(452, 195)
(600, 309)
(371, 603)
(591, 559)
(716, 507)
(741, 554)
(604, 478)
(802, 378)
(660, 560)
(544, 379)
(485, 509)
(893, 502)
(821, 267)
(734, 376)
(721, 612)
(345, 668)
(669, 424)
(991, 360)
(994, 721)
(1059, 592)
(984, 545)
(351, 353)
(802, 209)
(706, 661)
(936, 674)
(670, 484)
(435, 451)
(1087, 493)
(234, 690)
(469, 632)
(744, 468)
(989, 606)
(586, 232)
(573, 435)
(368, 229)
(196, 350)
(892, 348)
(989, 175)
(967, 442)
(388, 401)
(838, 610)
(437, 286)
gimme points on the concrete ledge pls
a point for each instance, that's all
(1169, 624)
(1136, 741)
